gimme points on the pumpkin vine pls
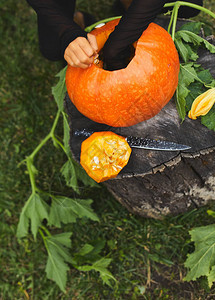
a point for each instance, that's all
(36, 209)
(176, 5)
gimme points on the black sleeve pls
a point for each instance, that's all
(133, 22)
(140, 13)
(56, 26)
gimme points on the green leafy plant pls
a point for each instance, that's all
(191, 73)
(193, 81)
(202, 261)
(192, 76)
(44, 212)
(53, 210)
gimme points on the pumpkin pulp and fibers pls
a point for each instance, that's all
(104, 154)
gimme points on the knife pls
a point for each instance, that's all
(144, 143)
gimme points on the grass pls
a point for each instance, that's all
(147, 255)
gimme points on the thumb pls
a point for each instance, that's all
(93, 43)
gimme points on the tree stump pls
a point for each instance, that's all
(157, 183)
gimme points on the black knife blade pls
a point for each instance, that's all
(144, 143)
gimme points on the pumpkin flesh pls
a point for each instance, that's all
(104, 154)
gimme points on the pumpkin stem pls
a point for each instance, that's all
(91, 27)
(173, 19)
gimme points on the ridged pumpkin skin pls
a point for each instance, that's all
(128, 96)
(104, 154)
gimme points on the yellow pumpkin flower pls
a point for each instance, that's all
(202, 104)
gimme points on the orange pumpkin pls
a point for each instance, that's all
(104, 154)
(128, 96)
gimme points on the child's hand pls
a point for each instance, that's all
(81, 52)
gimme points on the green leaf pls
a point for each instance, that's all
(98, 245)
(105, 275)
(66, 210)
(83, 209)
(208, 29)
(34, 212)
(60, 212)
(195, 39)
(205, 76)
(211, 213)
(102, 263)
(187, 75)
(211, 277)
(84, 177)
(69, 172)
(87, 248)
(201, 261)
(194, 27)
(197, 88)
(89, 253)
(101, 267)
(209, 119)
(66, 136)
(72, 172)
(185, 50)
(59, 90)
(181, 94)
(58, 256)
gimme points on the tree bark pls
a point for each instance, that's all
(158, 183)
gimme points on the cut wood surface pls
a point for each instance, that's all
(158, 183)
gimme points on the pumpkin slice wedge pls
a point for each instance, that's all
(104, 154)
